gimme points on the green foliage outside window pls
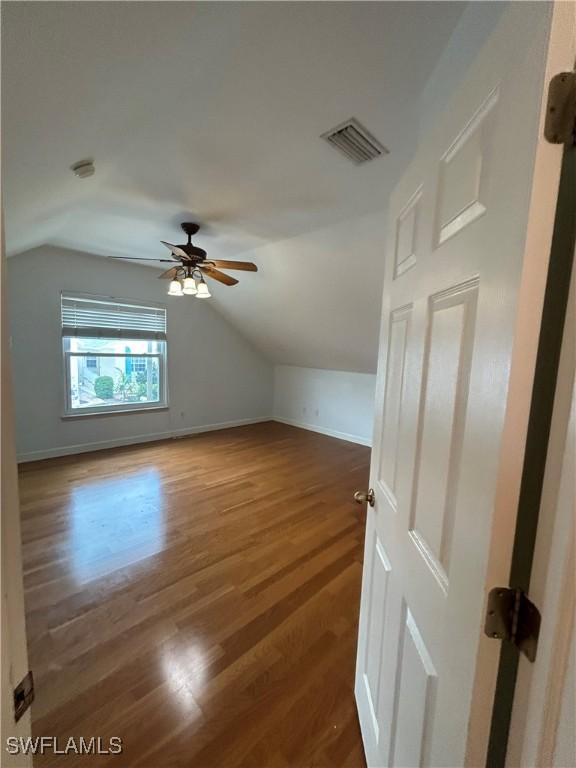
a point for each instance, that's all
(142, 382)
(104, 387)
(126, 386)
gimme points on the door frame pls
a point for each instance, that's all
(13, 625)
(552, 324)
(484, 743)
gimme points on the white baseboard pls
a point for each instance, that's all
(68, 450)
(325, 431)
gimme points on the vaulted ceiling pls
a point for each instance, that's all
(212, 111)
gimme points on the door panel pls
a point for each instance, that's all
(399, 332)
(453, 275)
(415, 696)
(407, 234)
(451, 318)
(464, 172)
(373, 657)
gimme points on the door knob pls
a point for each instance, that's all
(363, 497)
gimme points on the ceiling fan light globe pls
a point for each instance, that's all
(203, 292)
(189, 286)
(175, 288)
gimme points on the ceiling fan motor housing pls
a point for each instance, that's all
(190, 227)
(192, 250)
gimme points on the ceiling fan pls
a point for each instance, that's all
(187, 277)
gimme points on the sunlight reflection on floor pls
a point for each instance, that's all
(115, 522)
(185, 672)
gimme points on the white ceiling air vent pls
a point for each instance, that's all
(354, 141)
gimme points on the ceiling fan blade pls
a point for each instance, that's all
(170, 274)
(215, 274)
(177, 252)
(245, 266)
(137, 258)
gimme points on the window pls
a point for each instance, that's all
(139, 364)
(114, 355)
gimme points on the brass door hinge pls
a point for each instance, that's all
(511, 616)
(560, 122)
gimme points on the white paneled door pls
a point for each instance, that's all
(468, 242)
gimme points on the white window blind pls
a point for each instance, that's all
(100, 317)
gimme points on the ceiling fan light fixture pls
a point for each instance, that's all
(175, 288)
(189, 286)
(202, 290)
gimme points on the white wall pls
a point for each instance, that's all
(337, 403)
(316, 299)
(215, 376)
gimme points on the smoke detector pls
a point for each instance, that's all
(83, 169)
(355, 141)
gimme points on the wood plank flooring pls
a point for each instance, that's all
(198, 598)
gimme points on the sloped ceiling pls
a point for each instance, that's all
(211, 112)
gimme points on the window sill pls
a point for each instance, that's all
(115, 412)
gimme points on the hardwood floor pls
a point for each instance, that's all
(198, 598)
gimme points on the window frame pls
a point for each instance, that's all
(114, 334)
(103, 410)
